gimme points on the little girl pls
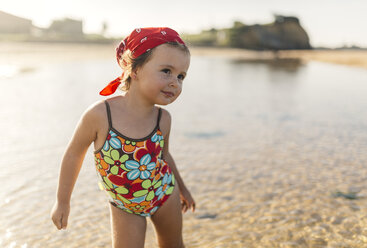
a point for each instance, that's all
(131, 137)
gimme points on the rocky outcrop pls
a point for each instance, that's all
(284, 33)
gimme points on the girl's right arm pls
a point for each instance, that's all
(84, 134)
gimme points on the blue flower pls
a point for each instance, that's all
(165, 188)
(156, 138)
(142, 169)
(112, 141)
(153, 210)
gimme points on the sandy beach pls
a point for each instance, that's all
(273, 159)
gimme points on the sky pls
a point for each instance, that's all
(329, 23)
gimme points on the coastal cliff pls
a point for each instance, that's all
(284, 33)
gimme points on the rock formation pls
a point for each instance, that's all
(283, 33)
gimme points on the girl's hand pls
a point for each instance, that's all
(60, 215)
(186, 200)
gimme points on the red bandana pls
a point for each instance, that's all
(138, 42)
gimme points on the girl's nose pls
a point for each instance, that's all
(173, 82)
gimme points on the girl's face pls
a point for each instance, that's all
(160, 79)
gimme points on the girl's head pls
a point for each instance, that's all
(138, 49)
(130, 64)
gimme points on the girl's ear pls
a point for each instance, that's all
(134, 74)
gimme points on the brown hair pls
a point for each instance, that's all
(130, 64)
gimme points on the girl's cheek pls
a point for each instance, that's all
(165, 77)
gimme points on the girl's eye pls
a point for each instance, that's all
(168, 71)
(181, 77)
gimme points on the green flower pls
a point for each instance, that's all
(114, 191)
(116, 161)
(148, 190)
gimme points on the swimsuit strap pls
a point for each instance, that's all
(108, 114)
(159, 117)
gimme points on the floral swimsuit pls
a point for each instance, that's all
(133, 172)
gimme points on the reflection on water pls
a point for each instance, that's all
(247, 116)
(8, 71)
(283, 64)
(205, 135)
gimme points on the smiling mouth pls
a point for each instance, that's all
(168, 94)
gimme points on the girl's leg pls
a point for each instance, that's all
(168, 222)
(128, 230)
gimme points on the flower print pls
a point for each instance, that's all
(114, 191)
(153, 210)
(132, 186)
(112, 141)
(138, 207)
(150, 148)
(142, 169)
(120, 205)
(155, 174)
(164, 168)
(130, 146)
(166, 187)
(116, 161)
(101, 165)
(148, 190)
(157, 137)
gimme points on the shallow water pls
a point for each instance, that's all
(262, 146)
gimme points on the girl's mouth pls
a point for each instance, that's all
(168, 94)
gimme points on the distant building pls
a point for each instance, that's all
(67, 26)
(14, 28)
(10, 24)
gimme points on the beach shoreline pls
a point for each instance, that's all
(356, 58)
(23, 54)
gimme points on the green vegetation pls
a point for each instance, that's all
(205, 38)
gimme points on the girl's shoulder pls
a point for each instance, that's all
(165, 121)
(165, 115)
(98, 108)
(95, 114)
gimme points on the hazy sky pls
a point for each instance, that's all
(328, 22)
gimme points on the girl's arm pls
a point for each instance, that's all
(84, 134)
(186, 198)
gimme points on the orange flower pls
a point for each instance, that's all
(101, 165)
(130, 146)
(138, 207)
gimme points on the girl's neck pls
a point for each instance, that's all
(137, 105)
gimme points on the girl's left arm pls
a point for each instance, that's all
(187, 200)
